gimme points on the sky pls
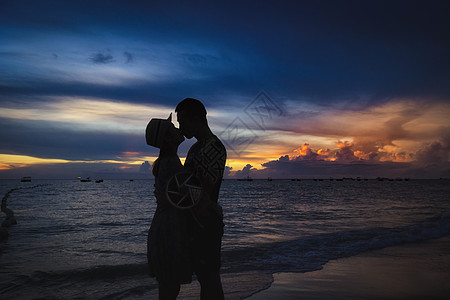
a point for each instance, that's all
(294, 89)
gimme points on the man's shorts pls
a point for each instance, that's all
(206, 245)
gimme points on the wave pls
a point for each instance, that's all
(300, 255)
(90, 283)
(310, 253)
(97, 272)
(111, 224)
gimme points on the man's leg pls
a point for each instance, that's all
(211, 286)
(206, 249)
(168, 291)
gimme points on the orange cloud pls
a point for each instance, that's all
(364, 155)
(391, 131)
(344, 152)
(304, 150)
(124, 168)
(397, 157)
(324, 152)
(306, 153)
(343, 145)
(133, 154)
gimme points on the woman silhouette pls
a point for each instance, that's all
(168, 239)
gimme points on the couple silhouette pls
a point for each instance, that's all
(186, 232)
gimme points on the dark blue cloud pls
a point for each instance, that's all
(45, 139)
(102, 58)
(128, 57)
(324, 50)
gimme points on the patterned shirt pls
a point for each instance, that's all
(206, 159)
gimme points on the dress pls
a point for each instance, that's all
(168, 243)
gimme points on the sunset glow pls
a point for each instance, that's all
(77, 98)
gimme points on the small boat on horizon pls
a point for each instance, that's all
(25, 179)
(88, 179)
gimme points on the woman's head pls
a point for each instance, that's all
(173, 136)
(161, 132)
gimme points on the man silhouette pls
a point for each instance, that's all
(206, 161)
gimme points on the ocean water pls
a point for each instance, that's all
(87, 240)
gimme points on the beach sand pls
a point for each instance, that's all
(410, 271)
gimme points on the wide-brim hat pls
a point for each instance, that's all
(156, 130)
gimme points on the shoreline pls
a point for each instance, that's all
(418, 270)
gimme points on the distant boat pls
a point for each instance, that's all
(88, 179)
(131, 179)
(99, 180)
(25, 179)
(245, 179)
(269, 179)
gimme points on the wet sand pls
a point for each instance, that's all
(235, 285)
(411, 271)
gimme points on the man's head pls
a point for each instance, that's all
(191, 115)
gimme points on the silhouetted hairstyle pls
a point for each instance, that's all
(192, 107)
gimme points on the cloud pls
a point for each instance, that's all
(246, 171)
(305, 153)
(431, 161)
(379, 91)
(345, 152)
(79, 129)
(206, 60)
(438, 152)
(128, 57)
(286, 169)
(145, 167)
(374, 132)
(58, 140)
(102, 58)
(227, 171)
(286, 58)
(85, 114)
